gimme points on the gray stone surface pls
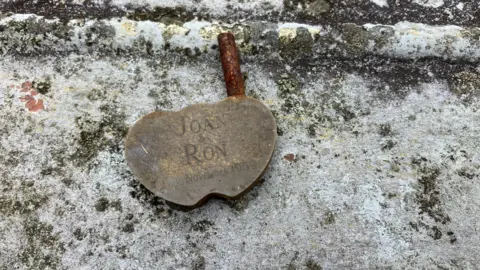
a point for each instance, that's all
(376, 166)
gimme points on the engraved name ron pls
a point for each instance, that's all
(199, 153)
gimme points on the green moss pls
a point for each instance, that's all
(38, 27)
(117, 205)
(312, 129)
(432, 231)
(102, 205)
(318, 7)
(310, 7)
(356, 38)
(128, 228)
(472, 34)
(385, 130)
(143, 45)
(328, 107)
(166, 15)
(24, 202)
(88, 145)
(32, 35)
(436, 233)
(289, 91)
(465, 84)
(161, 96)
(388, 144)
(202, 225)
(96, 136)
(467, 172)
(329, 218)
(381, 35)
(344, 110)
(312, 265)
(428, 195)
(23, 206)
(42, 86)
(334, 98)
(238, 205)
(199, 263)
(79, 234)
(297, 47)
(292, 5)
(452, 237)
(391, 195)
(96, 94)
(43, 248)
(99, 32)
(287, 86)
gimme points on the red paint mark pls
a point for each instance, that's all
(31, 103)
(289, 157)
(25, 98)
(38, 106)
(27, 86)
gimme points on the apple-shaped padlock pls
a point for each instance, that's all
(204, 150)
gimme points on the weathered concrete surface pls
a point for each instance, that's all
(33, 35)
(377, 161)
(434, 12)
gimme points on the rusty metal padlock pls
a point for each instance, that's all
(204, 150)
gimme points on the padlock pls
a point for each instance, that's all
(204, 150)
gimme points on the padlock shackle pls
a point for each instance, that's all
(231, 65)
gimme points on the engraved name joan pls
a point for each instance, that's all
(188, 125)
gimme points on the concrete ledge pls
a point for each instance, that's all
(30, 35)
(432, 12)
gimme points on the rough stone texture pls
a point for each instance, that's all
(32, 35)
(377, 162)
(303, 11)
